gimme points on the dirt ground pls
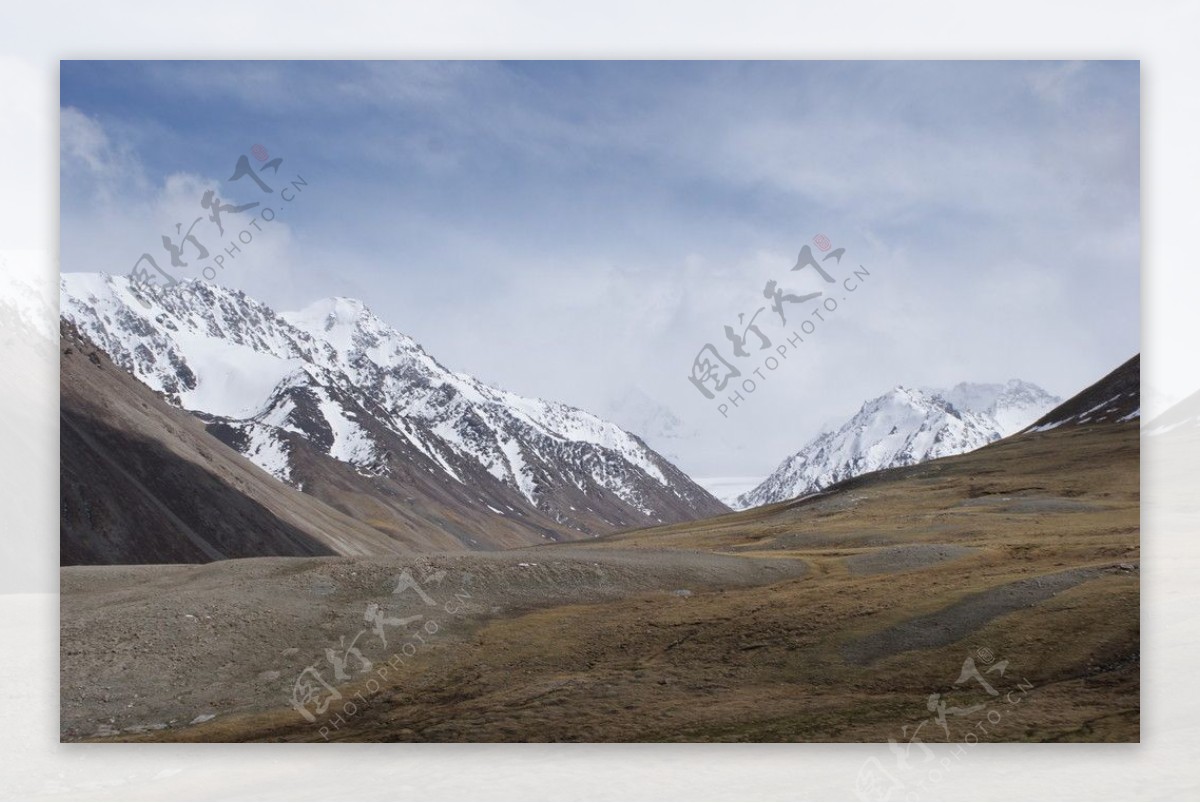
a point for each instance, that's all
(1000, 585)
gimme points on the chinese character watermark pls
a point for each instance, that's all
(313, 695)
(969, 710)
(755, 352)
(184, 247)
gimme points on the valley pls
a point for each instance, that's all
(830, 618)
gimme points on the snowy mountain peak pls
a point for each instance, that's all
(902, 427)
(902, 394)
(335, 380)
(909, 397)
(351, 327)
(336, 311)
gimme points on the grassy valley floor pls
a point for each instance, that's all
(993, 593)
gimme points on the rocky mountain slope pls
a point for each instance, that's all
(1115, 398)
(143, 482)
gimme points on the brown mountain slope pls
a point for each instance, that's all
(143, 482)
(1078, 475)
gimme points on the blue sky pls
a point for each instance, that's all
(578, 230)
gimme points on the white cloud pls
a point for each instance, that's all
(113, 214)
(575, 235)
(97, 170)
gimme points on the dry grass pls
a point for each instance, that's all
(769, 662)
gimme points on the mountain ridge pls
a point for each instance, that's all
(335, 402)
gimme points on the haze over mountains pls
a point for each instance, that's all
(904, 427)
(1182, 417)
(334, 402)
(654, 422)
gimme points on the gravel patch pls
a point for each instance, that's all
(166, 646)
(960, 619)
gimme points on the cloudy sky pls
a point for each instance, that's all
(581, 230)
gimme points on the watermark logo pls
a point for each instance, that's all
(319, 701)
(755, 353)
(184, 248)
(973, 707)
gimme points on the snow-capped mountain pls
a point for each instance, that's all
(900, 428)
(333, 382)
